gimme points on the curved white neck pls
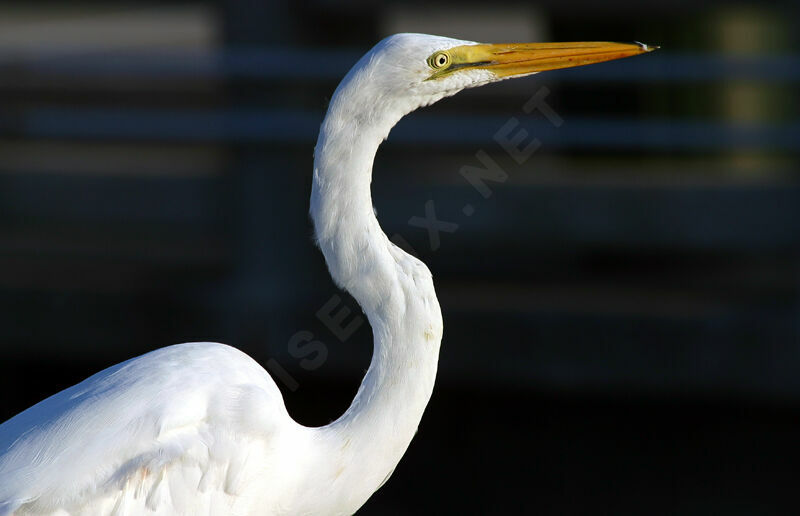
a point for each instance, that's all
(360, 450)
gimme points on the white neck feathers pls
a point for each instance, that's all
(395, 291)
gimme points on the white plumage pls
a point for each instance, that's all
(201, 428)
(173, 428)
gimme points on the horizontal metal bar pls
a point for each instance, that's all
(701, 218)
(301, 127)
(525, 217)
(289, 64)
(108, 200)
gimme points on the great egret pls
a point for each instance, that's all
(201, 428)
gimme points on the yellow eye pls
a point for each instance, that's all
(439, 60)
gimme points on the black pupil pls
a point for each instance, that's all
(440, 60)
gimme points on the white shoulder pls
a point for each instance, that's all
(155, 431)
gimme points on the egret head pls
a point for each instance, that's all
(406, 71)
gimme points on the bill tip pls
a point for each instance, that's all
(647, 48)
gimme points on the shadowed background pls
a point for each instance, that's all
(622, 313)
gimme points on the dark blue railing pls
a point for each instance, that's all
(295, 126)
(317, 64)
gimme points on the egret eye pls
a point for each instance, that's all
(439, 60)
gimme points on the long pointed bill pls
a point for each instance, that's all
(514, 59)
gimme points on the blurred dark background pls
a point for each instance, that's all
(622, 315)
